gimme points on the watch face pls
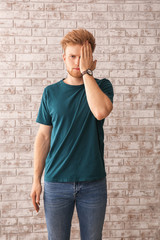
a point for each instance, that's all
(90, 72)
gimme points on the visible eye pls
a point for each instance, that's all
(72, 56)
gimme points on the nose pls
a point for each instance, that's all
(77, 61)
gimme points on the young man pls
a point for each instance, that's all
(70, 144)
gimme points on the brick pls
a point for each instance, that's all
(25, 172)
(110, 49)
(91, 7)
(140, 97)
(21, 15)
(45, 15)
(125, 233)
(16, 163)
(115, 177)
(125, 58)
(16, 213)
(6, 23)
(31, 220)
(7, 57)
(109, 16)
(18, 82)
(28, 6)
(149, 7)
(29, 23)
(139, 113)
(76, 15)
(31, 57)
(123, 169)
(149, 24)
(30, 40)
(48, 65)
(6, 107)
(60, 7)
(141, 193)
(15, 66)
(7, 73)
(124, 40)
(14, 49)
(90, 24)
(129, 73)
(16, 180)
(115, 210)
(16, 196)
(109, 33)
(118, 185)
(126, 89)
(141, 66)
(139, 16)
(125, 217)
(122, 7)
(124, 201)
(141, 81)
(8, 221)
(5, 6)
(25, 204)
(6, 156)
(132, 121)
(47, 33)
(150, 57)
(40, 236)
(149, 40)
(123, 24)
(123, 138)
(10, 114)
(8, 188)
(139, 162)
(7, 204)
(29, 73)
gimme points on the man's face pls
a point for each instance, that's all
(71, 58)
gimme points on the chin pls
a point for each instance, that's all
(75, 74)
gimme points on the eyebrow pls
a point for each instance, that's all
(72, 54)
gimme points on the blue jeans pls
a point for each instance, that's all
(90, 199)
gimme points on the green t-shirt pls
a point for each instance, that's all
(77, 138)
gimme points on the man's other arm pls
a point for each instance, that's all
(41, 149)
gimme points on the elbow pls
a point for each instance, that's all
(103, 114)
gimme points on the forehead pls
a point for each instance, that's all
(73, 49)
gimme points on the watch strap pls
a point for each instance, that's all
(86, 72)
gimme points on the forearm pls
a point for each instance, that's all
(100, 105)
(41, 149)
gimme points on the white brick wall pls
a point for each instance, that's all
(128, 52)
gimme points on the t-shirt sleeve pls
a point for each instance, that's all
(44, 116)
(107, 88)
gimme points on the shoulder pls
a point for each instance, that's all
(52, 87)
(104, 82)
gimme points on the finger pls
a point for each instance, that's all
(94, 65)
(34, 201)
(38, 199)
(90, 51)
(82, 51)
(85, 50)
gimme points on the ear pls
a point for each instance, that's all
(64, 57)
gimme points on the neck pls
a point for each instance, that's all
(73, 80)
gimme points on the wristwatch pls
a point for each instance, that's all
(88, 71)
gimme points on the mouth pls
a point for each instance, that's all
(76, 69)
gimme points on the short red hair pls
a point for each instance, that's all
(78, 36)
